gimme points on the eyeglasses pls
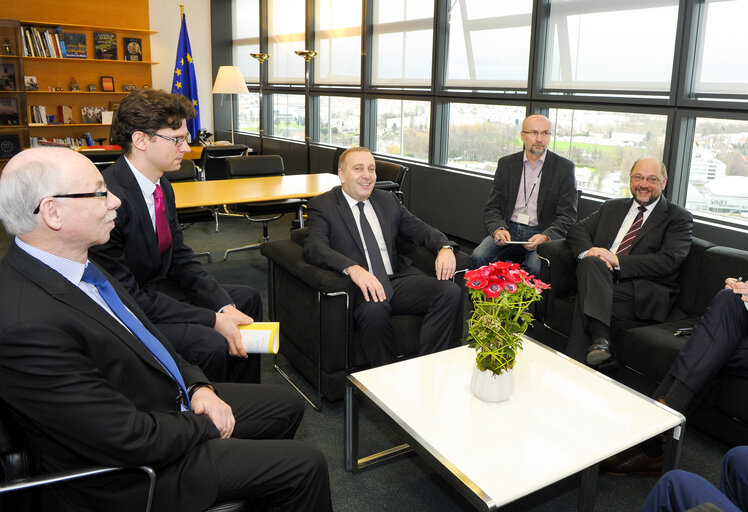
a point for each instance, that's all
(638, 178)
(535, 133)
(82, 194)
(178, 141)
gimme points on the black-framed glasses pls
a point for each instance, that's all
(638, 178)
(105, 193)
(535, 133)
(178, 141)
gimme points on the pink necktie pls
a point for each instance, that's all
(162, 225)
(628, 240)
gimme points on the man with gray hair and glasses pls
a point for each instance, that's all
(91, 382)
(629, 256)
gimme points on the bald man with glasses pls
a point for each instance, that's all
(146, 252)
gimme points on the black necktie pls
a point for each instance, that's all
(628, 240)
(95, 277)
(375, 255)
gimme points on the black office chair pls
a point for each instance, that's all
(264, 212)
(213, 159)
(390, 176)
(188, 216)
(18, 473)
(102, 158)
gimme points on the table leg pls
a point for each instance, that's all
(673, 445)
(350, 439)
(588, 489)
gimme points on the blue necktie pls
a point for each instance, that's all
(375, 255)
(94, 276)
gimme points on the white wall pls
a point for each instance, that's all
(164, 18)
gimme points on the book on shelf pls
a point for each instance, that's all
(105, 45)
(66, 114)
(38, 114)
(64, 141)
(89, 140)
(9, 111)
(133, 48)
(75, 45)
(42, 42)
(10, 144)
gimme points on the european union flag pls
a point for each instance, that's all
(185, 82)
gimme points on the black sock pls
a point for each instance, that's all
(597, 329)
(678, 397)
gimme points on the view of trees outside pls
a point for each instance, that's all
(403, 128)
(248, 112)
(339, 120)
(480, 134)
(288, 116)
(718, 181)
(604, 145)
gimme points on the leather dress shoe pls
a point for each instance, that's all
(598, 352)
(633, 461)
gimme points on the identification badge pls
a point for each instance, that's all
(523, 218)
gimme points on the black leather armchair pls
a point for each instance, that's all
(18, 473)
(313, 305)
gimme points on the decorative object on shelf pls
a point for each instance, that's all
(9, 111)
(51, 119)
(65, 114)
(74, 85)
(75, 45)
(105, 45)
(133, 48)
(8, 76)
(10, 145)
(113, 105)
(7, 47)
(59, 87)
(30, 83)
(107, 84)
(128, 87)
(93, 87)
(91, 114)
(106, 117)
(501, 293)
(230, 81)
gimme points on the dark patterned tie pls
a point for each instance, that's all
(94, 276)
(375, 255)
(162, 224)
(628, 240)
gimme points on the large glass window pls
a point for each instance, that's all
(478, 31)
(248, 112)
(604, 145)
(403, 40)
(288, 115)
(403, 128)
(611, 45)
(718, 178)
(723, 49)
(481, 134)
(338, 41)
(339, 120)
(246, 37)
(286, 28)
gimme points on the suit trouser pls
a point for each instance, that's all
(488, 252)
(601, 297)
(679, 490)
(413, 294)
(205, 347)
(719, 340)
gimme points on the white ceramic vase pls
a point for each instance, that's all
(492, 388)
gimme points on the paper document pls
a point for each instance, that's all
(260, 337)
(517, 242)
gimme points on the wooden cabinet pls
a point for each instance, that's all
(13, 121)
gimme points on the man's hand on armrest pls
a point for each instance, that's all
(367, 282)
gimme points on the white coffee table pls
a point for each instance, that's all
(563, 418)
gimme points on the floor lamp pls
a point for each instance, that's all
(230, 81)
(261, 58)
(307, 55)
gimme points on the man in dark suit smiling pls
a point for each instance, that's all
(146, 251)
(630, 252)
(352, 230)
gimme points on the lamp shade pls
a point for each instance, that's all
(230, 81)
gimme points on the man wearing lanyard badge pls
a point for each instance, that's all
(533, 200)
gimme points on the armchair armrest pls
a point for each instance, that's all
(557, 268)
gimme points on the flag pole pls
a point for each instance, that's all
(181, 12)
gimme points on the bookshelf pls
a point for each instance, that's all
(13, 122)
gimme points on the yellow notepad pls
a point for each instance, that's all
(260, 337)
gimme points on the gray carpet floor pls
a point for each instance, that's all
(408, 484)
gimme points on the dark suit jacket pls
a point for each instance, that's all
(334, 242)
(658, 251)
(87, 392)
(557, 195)
(131, 255)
